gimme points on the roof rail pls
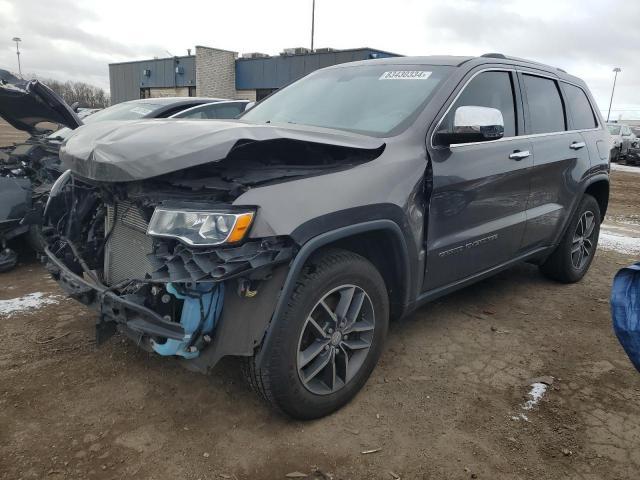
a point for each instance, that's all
(524, 60)
(493, 55)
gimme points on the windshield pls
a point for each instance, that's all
(122, 111)
(373, 100)
(614, 129)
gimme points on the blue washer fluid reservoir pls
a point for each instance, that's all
(201, 299)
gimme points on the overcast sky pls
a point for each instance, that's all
(73, 39)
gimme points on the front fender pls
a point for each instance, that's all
(317, 242)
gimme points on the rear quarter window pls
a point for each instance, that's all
(546, 111)
(582, 114)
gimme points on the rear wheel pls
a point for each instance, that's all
(328, 340)
(573, 256)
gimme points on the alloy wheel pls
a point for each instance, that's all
(582, 247)
(335, 339)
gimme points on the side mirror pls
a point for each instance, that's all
(472, 124)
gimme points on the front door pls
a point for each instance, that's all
(477, 211)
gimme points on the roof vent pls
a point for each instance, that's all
(494, 55)
(295, 51)
(255, 55)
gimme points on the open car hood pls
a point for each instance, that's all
(24, 104)
(126, 151)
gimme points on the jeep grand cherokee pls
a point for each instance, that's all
(291, 236)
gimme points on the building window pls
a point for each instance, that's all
(262, 93)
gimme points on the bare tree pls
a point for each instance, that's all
(87, 96)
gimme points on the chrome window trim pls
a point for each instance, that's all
(517, 137)
(522, 137)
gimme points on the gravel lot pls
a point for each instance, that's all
(448, 400)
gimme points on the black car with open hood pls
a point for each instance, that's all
(28, 169)
(26, 103)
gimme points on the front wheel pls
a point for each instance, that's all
(573, 256)
(328, 340)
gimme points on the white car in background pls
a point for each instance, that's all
(215, 110)
(621, 139)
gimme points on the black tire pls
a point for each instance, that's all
(615, 155)
(561, 264)
(8, 260)
(278, 380)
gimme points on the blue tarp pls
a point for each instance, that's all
(625, 310)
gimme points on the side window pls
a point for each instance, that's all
(546, 110)
(193, 115)
(581, 111)
(489, 89)
(229, 110)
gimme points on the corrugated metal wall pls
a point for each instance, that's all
(126, 79)
(275, 72)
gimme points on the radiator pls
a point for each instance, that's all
(128, 244)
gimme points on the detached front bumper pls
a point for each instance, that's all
(125, 311)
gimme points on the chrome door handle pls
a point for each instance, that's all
(520, 154)
(577, 145)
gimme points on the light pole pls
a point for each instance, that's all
(616, 70)
(18, 40)
(313, 21)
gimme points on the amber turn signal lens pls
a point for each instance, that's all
(240, 228)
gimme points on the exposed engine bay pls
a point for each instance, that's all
(166, 292)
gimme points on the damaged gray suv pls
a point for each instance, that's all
(292, 235)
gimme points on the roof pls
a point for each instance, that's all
(457, 61)
(446, 60)
(175, 100)
(179, 57)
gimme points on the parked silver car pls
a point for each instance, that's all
(621, 139)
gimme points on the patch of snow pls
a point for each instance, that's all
(619, 243)
(538, 389)
(625, 168)
(32, 301)
(536, 393)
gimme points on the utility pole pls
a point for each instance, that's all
(18, 40)
(313, 21)
(616, 70)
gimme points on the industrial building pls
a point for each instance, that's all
(213, 72)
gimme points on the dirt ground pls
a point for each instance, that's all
(445, 402)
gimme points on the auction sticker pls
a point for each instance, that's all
(405, 75)
(140, 110)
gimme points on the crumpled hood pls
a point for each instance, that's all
(24, 104)
(112, 151)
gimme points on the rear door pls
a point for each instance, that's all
(560, 161)
(476, 215)
(583, 118)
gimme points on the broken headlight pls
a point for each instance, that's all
(195, 227)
